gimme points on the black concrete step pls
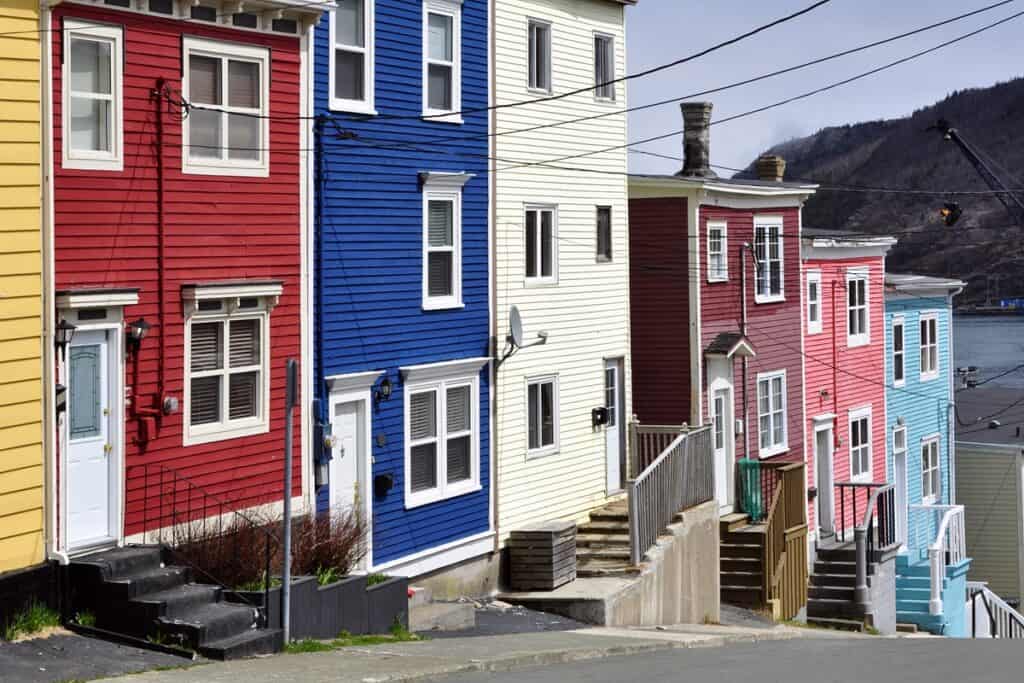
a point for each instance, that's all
(740, 564)
(837, 624)
(831, 592)
(128, 586)
(737, 550)
(755, 579)
(206, 624)
(748, 536)
(248, 644)
(742, 596)
(834, 580)
(832, 608)
(119, 562)
(174, 602)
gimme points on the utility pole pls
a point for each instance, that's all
(291, 398)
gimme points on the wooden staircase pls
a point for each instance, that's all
(741, 551)
(602, 544)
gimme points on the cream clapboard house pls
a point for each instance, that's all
(561, 259)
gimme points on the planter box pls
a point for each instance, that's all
(342, 607)
(387, 602)
(320, 612)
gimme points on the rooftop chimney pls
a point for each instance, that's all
(696, 140)
(771, 168)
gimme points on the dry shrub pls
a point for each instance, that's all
(328, 545)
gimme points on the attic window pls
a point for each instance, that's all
(204, 13)
(245, 20)
(285, 25)
(161, 6)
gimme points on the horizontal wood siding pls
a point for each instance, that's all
(372, 264)
(659, 287)
(586, 314)
(21, 431)
(217, 228)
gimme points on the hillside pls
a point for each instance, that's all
(902, 153)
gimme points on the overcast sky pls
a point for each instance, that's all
(660, 31)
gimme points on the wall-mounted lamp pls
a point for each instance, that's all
(63, 335)
(384, 393)
(137, 331)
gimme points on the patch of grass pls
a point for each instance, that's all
(257, 585)
(329, 575)
(399, 634)
(374, 579)
(85, 618)
(308, 645)
(32, 619)
(711, 621)
(872, 630)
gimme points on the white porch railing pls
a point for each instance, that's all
(991, 617)
(946, 544)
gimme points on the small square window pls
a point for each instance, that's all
(245, 20)
(604, 233)
(542, 415)
(161, 6)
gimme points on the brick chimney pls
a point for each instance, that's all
(696, 140)
(771, 168)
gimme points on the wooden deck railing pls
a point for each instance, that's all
(647, 442)
(947, 547)
(682, 476)
(784, 559)
(991, 616)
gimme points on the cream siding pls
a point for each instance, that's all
(21, 459)
(586, 314)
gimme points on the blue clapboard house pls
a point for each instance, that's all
(401, 330)
(931, 570)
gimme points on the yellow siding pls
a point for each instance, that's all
(21, 454)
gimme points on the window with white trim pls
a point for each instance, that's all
(931, 482)
(92, 116)
(604, 234)
(858, 332)
(442, 249)
(226, 366)
(352, 56)
(542, 415)
(442, 56)
(604, 67)
(929, 346)
(899, 353)
(226, 132)
(768, 256)
(860, 444)
(899, 440)
(718, 252)
(540, 242)
(771, 413)
(443, 440)
(539, 56)
(813, 301)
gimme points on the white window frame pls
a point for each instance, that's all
(721, 275)
(443, 490)
(367, 104)
(453, 9)
(856, 415)
(782, 446)
(898, 321)
(611, 64)
(530, 23)
(227, 428)
(899, 429)
(227, 51)
(552, 448)
(932, 373)
(814, 324)
(766, 223)
(89, 159)
(535, 280)
(610, 256)
(434, 303)
(862, 337)
(929, 442)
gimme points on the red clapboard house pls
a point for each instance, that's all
(185, 221)
(716, 326)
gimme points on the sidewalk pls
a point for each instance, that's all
(435, 658)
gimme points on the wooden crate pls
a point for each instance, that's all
(542, 557)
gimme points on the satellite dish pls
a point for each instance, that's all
(515, 324)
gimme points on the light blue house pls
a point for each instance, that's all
(920, 418)
(402, 322)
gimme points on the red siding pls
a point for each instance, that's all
(217, 228)
(659, 287)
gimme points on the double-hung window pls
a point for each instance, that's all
(860, 444)
(352, 56)
(718, 250)
(226, 368)
(539, 56)
(443, 439)
(542, 415)
(442, 48)
(604, 67)
(931, 483)
(857, 313)
(813, 301)
(226, 132)
(929, 346)
(541, 247)
(768, 255)
(771, 413)
(92, 116)
(604, 234)
(899, 370)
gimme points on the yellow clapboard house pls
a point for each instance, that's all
(21, 429)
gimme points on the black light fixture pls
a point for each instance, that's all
(951, 213)
(384, 393)
(137, 331)
(63, 335)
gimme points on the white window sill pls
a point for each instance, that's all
(353, 107)
(778, 298)
(442, 304)
(928, 377)
(859, 340)
(193, 168)
(89, 164)
(772, 451)
(713, 280)
(541, 452)
(864, 478)
(539, 91)
(899, 382)
(421, 498)
(604, 100)
(929, 500)
(813, 330)
(222, 432)
(442, 117)
(540, 282)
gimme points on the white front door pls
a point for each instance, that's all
(614, 429)
(91, 459)
(899, 465)
(723, 440)
(347, 427)
(823, 468)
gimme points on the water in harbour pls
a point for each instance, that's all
(994, 344)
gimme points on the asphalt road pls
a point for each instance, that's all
(870, 660)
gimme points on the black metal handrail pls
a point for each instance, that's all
(853, 487)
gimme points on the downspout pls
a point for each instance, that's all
(743, 331)
(493, 261)
(319, 392)
(835, 371)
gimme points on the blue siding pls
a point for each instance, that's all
(370, 227)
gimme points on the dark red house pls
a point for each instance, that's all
(178, 257)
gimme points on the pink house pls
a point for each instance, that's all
(844, 359)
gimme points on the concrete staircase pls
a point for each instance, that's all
(426, 615)
(741, 553)
(830, 597)
(602, 544)
(136, 592)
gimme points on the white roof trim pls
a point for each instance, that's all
(97, 298)
(679, 183)
(444, 181)
(454, 368)
(229, 290)
(356, 381)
